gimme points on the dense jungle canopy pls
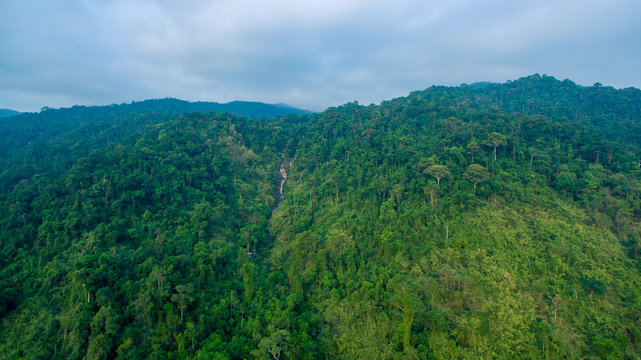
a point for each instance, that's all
(483, 221)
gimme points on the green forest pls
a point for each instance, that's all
(483, 221)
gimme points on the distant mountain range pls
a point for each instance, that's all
(7, 113)
(250, 109)
(241, 108)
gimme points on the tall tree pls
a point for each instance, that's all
(494, 140)
(452, 125)
(473, 148)
(438, 172)
(476, 173)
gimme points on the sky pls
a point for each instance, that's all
(306, 53)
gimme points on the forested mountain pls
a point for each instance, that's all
(7, 113)
(612, 113)
(53, 138)
(81, 124)
(251, 109)
(495, 221)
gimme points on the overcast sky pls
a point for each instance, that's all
(309, 54)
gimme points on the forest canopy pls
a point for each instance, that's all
(495, 221)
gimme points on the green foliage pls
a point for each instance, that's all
(158, 235)
(438, 172)
(476, 173)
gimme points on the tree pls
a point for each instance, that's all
(183, 297)
(565, 180)
(495, 139)
(438, 172)
(274, 344)
(473, 148)
(452, 125)
(424, 163)
(476, 173)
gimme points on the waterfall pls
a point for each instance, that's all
(281, 195)
(283, 174)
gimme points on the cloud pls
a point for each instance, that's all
(310, 54)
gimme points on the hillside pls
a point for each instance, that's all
(34, 142)
(495, 221)
(611, 112)
(7, 113)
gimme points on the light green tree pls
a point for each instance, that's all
(438, 172)
(183, 297)
(476, 173)
(495, 139)
(473, 148)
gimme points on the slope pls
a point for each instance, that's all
(430, 226)
(614, 113)
(135, 250)
(33, 142)
(408, 249)
(8, 113)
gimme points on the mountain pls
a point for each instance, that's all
(53, 126)
(34, 141)
(457, 222)
(249, 109)
(604, 109)
(6, 113)
(257, 109)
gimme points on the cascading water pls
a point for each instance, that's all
(283, 174)
(281, 195)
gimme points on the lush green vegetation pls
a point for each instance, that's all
(452, 223)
